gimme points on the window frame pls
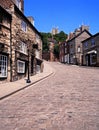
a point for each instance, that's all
(20, 70)
(3, 66)
(86, 45)
(92, 42)
(24, 26)
(23, 48)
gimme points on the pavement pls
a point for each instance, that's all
(9, 88)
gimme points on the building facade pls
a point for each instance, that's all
(5, 42)
(25, 43)
(75, 44)
(64, 52)
(91, 51)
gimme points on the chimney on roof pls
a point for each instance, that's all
(84, 27)
(31, 19)
(19, 4)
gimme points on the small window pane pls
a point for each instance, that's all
(3, 66)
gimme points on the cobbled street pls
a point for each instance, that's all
(67, 100)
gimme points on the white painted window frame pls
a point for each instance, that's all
(22, 69)
(23, 48)
(3, 66)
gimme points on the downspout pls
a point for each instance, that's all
(11, 50)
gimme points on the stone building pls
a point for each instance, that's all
(75, 44)
(5, 42)
(91, 51)
(51, 50)
(54, 31)
(64, 52)
(25, 42)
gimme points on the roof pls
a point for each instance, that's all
(7, 4)
(80, 34)
(91, 37)
(26, 19)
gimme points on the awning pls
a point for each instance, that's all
(93, 51)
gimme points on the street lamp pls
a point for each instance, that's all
(28, 79)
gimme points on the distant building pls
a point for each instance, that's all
(64, 52)
(75, 44)
(51, 49)
(91, 51)
(54, 31)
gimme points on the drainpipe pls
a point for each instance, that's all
(11, 50)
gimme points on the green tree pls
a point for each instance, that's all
(60, 37)
(45, 37)
(56, 50)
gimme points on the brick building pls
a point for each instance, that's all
(23, 40)
(91, 51)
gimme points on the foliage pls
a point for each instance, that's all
(60, 37)
(56, 50)
(45, 37)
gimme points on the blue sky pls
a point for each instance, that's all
(67, 15)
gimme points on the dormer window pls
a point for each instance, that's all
(18, 3)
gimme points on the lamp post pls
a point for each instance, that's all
(28, 79)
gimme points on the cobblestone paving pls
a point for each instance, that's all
(68, 100)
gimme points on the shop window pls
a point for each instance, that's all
(3, 66)
(20, 66)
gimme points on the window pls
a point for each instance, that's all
(86, 45)
(92, 42)
(18, 3)
(20, 66)
(78, 49)
(3, 66)
(23, 47)
(24, 26)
